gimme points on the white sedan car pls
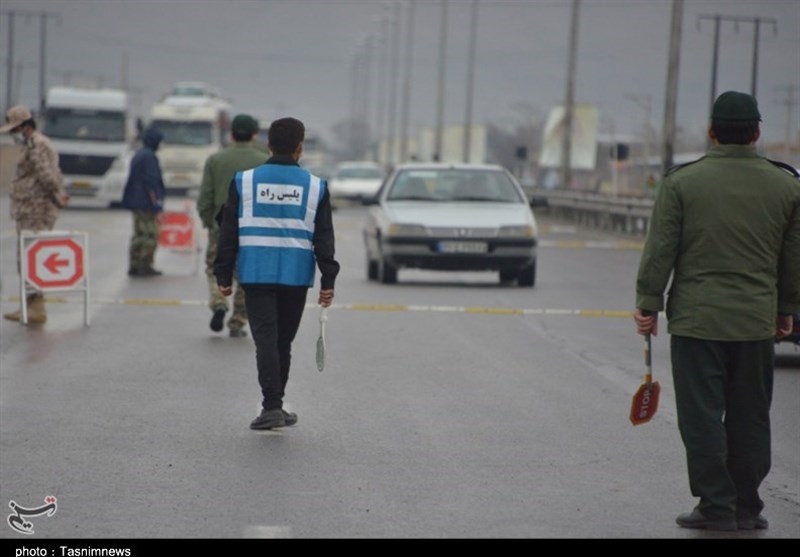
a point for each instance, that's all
(451, 217)
(356, 180)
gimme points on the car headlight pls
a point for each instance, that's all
(407, 230)
(526, 231)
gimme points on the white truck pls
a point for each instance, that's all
(92, 132)
(196, 123)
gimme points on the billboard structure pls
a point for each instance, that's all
(584, 138)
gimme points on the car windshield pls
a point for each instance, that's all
(184, 133)
(453, 184)
(355, 173)
(85, 125)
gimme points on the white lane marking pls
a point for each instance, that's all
(267, 532)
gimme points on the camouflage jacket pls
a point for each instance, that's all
(36, 190)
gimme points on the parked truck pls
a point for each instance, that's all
(195, 120)
(92, 131)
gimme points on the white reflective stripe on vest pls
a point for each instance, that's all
(274, 242)
(248, 220)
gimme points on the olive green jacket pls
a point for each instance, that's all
(727, 229)
(218, 172)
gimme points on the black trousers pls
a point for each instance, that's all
(274, 313)
(723, 392)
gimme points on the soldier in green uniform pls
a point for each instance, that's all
(727, 229)
(217, 175)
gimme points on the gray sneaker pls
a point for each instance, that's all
(269, 419)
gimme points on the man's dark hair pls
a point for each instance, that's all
(285, 134)
(30, 122)
(240, 136)
(735, 133)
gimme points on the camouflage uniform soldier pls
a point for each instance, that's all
(217, 175)
(144, 196)
(37, 192)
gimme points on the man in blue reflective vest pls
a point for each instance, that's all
(277, 222)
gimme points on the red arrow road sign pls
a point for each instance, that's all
(54, 263)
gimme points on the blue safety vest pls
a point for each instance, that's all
(277, 208)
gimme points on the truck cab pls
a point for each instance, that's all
(91, 131)
(195, 121)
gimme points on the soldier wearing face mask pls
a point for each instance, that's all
(37, 191)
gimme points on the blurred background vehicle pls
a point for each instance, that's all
(92, 132)
(355, 180)
(196, 122)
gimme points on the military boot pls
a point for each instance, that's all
(36, 311)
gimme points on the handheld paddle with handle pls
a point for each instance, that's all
(645, 401)
(321, 341)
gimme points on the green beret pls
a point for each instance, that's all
(244, 123)
(733, 106)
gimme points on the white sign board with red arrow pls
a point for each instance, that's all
(54, 261)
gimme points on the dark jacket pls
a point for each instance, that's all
(144, 190)
(228, 246)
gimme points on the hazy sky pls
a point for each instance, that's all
(294, 57)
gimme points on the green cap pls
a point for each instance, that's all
(244, 123)
(733, 106)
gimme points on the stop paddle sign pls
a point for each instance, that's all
(645, 401)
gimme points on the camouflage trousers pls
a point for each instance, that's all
(144, 240)
(35, 225)
(215, 299)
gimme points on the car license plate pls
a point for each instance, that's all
(81, 185)
(463, 247)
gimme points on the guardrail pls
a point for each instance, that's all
(628, 215)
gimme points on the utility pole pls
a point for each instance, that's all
(437, 144)
(671, 97)
(404, 118)
(736, 20)
(383, 62)
(473, 31)
(10, 61)
(367, 82)
(43, 17)
(392, 133)
(569, 100)
(789, 102)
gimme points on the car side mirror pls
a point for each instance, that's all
(539, 201)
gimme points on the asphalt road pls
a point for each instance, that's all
(450, 407)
